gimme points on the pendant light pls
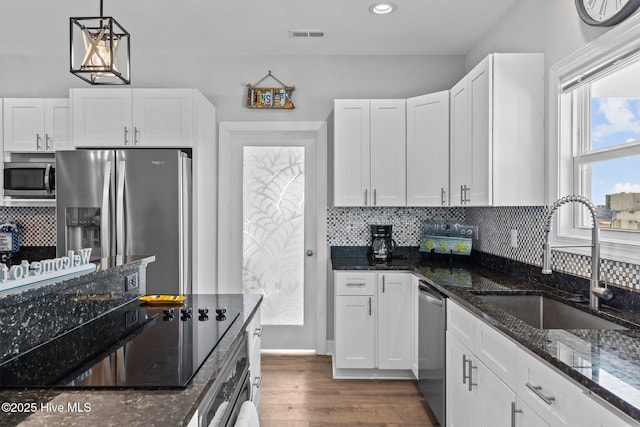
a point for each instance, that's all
(100, 50)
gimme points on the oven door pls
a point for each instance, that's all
(231, 388)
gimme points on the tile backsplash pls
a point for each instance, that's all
(37, 225)
(350, 227)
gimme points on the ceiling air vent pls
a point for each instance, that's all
(305, 34)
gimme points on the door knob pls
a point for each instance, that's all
(309, 252)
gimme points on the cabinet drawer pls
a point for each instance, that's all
(555, 398)
(461, 324)
(355, 283)
(498, 352)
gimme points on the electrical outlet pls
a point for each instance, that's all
(514, 238)
(131, 282)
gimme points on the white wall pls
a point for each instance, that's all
(549, 26)
(222, 79)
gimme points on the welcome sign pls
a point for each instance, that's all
(27, 273)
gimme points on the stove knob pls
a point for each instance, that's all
(221, 310)
(168, 314)
(186, 313)
(204, 310)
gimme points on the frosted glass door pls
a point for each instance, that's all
(273, 231)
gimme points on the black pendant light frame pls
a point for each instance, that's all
(114, 36)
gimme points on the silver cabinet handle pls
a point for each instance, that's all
(466, 194)
(365, 197)
(47, 140)
(258, 331)
(443, 198)
(462, 194)
(514, 411)
(309, 252)
(258, 381)
(375, 197)
(383, 283)
(355, 284)
(126, 135)
(136, 132)
(369, 306)
(38, 142)
(537, 390)
(471, 368)
(464, 368)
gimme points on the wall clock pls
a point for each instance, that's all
(605, 13)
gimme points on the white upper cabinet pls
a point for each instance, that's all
(116, 117)
(497, 140)
(36, 124)
(369, 152)
(428, 150)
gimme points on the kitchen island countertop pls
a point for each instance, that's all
(126, 406)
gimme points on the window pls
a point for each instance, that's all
(606, 154)
(595, 142)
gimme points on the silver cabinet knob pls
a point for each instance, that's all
(309, 252)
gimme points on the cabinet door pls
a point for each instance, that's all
(388, 152)
(254, 333)
(524, 416)
(428, 150)
(480, 89)
(24, 124)
(351, 149)
(460, 141)
(460, 400)
(355, 331)
(57, 124)
(494, 398)
(163, 117)
(394, 321)
(101, 117)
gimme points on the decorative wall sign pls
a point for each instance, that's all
(270, 97)
(27, 273)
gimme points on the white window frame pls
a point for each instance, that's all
(563, 139)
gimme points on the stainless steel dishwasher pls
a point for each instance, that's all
(432, 317)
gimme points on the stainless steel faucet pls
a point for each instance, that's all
(595, 290)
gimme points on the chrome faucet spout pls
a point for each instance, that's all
(595, 291)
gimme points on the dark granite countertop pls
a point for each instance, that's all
(607, 362)
(130, 407)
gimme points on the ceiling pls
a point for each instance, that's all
(258, 27)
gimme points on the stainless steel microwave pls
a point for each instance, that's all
(30, 180)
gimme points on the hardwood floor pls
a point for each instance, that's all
(299, 391)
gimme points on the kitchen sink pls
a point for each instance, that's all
(546, 313)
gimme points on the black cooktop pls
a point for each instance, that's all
(137, 345)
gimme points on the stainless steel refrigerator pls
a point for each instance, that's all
(128, 202)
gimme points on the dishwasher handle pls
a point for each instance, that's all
(429, 294)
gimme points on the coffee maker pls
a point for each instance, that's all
(382, 245)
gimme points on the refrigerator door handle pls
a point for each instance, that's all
(120, 234)
(105, 232)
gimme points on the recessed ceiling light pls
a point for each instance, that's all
(382, 8)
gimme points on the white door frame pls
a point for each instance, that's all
(314, 130)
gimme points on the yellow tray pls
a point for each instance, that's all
(163, 299)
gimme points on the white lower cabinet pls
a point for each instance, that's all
(475, 395)
(492, 381)
(355, 331)
(394, 320)
(254, 333)
(373, 320)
